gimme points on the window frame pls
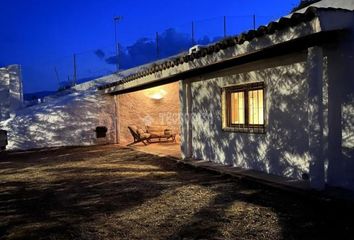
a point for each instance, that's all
(246, 127)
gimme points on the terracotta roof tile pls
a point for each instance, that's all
(282, 23)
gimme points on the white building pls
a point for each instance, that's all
(279, 99)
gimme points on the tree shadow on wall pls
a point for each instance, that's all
(283, 149)
(67, 120)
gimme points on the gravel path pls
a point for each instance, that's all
(106, 192)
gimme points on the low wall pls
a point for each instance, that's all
(68, 120)
(11, 95)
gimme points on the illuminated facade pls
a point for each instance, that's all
(279, 99)
(270, 100)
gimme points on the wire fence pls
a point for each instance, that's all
(88, 65)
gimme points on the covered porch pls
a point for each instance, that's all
(148, 119)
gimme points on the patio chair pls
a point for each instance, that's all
(139, 135)
(160, 132)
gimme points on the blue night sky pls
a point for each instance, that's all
(42, 35)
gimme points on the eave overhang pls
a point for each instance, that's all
(279, 41)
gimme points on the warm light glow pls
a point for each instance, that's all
(238, 108)
(254, 114)
(255, 106)
(156, 93)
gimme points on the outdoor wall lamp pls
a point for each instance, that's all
(158, 95)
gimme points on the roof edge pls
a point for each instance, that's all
(283, 23)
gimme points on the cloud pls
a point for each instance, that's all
(144, 50)
(100, 54)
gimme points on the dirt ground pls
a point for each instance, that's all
(108, 192)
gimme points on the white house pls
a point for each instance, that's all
(279, 99)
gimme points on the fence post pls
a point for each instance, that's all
(116, 20)
(225, 33)
(254, 21)
(57, 75)
(193, 40)
(157, 46)
(75, 74)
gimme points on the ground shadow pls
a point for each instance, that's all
(108, 192)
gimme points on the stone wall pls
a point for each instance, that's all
(141, 109)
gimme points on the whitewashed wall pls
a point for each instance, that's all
(68, 120)
(11, 92)
(283, 149)
(343, 4)
(340, 111)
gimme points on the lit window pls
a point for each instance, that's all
(238, 108)
(255, 107)
(244, 107)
